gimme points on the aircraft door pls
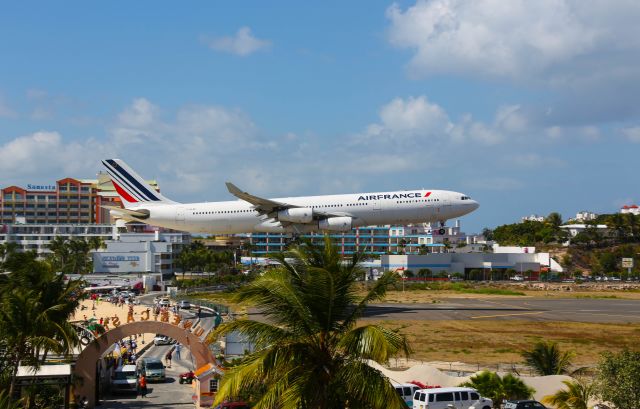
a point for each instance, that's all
(180, 215)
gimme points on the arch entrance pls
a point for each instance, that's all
(85, 367)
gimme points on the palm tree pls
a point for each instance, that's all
(490, 384)
(96, 243)
(59, 246)
(35, 306)
(312, 354)
(547, 359)
(576, 396)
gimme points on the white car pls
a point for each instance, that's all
(164, 303)
(162, 340)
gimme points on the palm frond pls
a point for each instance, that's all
(374, 342)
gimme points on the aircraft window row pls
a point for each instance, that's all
(225, 211)
(465, 198)
(416, 201)
(339, 205)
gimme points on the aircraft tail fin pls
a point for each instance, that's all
(132, 189)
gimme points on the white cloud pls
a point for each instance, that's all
(416, 119)
(45, 153)
(5, 110)
(243, 43)
(632, 134)
(555, 41)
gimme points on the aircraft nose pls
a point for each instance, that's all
(474, 205)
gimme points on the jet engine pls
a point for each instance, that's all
(342, 223)
(296, 215)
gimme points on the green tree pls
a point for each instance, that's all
(61, 252)
(619, 379)
(547, 359)
(96, 243)
(425, 272)
(491, 385)
(35, 306)
(575, 396)
(311, 354)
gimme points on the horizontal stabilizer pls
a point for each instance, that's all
(138, 213)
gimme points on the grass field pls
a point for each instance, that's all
(488, 342)
(492, 342)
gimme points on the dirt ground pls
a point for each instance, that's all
(490, 343)
(494, 342)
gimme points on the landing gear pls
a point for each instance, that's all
(442, 231)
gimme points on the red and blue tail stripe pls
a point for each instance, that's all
(130, 186)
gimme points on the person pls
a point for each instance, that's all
(178, 349)
(142, 382)
(168, 358)
(199, 311)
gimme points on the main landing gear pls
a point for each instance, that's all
(442, 230)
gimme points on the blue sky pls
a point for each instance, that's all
(529, 107)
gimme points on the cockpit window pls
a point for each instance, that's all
(465, 198)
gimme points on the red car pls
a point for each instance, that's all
(187, 377)
(232, 405)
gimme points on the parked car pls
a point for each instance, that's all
(444, 398)
(162, 340)
(125, 380)
(152, 368)
(164, 302)
(524, 404)
(232, 405)
(187, 377)
(406, 391)
(184, 304)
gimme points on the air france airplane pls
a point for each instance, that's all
(305, 214)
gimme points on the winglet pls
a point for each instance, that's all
(233, 189)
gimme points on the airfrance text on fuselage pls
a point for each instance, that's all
(394, 196)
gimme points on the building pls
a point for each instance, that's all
(631, 209)
(128, 253)
(532, 218)
(575, 229)
(67, 201)
(36, 237)
(412, 239)
(465, 262)
(585, 216)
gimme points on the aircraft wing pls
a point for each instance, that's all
(139, 213)
(264, 206)
(271, 207)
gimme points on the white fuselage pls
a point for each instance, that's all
(364, 209)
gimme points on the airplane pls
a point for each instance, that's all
(254, 214)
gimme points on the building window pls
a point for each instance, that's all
(213, 385)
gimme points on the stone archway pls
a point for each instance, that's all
(85, 367)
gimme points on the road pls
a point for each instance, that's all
(530, 309)
(170, 394)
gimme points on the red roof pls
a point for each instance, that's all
(625, 207)
(633, 207)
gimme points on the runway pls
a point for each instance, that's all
(529, 309)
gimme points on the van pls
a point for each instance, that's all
(125, 379)
(406, 391)
(152, 369)
(447, 398)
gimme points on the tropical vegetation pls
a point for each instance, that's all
(36, 304)
(491, 385)
(73, 255)
(546, 358)
(576, 396)
(312, 352)
(618, 379)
